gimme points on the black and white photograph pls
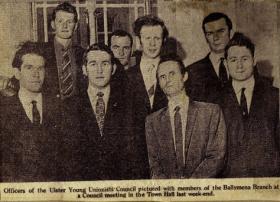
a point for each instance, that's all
(139, 91)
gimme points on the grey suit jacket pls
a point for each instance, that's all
(205, 143)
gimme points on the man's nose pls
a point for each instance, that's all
(64, 25)
(100, 69)
(152, 42)
(216, 36)
(121, 51)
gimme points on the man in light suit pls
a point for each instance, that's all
(251, 110)
(187, 139)
(29, 123)
(147, 97)
(104, 119)
(208, 76)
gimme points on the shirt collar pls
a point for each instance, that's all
(92, 91)
(180, 100)
(215, 58)
(59, 46)
(26, 97)
(145, 63)
(248, 84)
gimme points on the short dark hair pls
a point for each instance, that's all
(214, 17)
(67, 7)
(240, 39)
(100, 47)
(120, 33)
(149, 20)
(174, 58)
(25, 48)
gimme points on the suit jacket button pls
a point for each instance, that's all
(57, 95)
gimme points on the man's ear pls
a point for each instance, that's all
(84, 68)
(53, 25)
(17, 73)
(114, 68)
(231, 33)
(186, 76)
(76, 26)
(138, 41)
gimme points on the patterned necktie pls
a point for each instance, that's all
(223, 72)
(151, 91)
(178, 137)
(35, 113)
(243, 104)
(100, 111)
(67, 81)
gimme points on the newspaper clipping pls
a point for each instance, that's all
(139, 100)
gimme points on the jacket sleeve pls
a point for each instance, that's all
(156, 170)
(214, 158)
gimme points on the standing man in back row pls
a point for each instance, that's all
(208, 75)
(63, 57)
(146, 94)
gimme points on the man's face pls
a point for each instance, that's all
(240, 63)
(170, 78)
(99, 68)
(151, 40)
(64, 24)
(217, 35)
(31, 73)
(121, 47)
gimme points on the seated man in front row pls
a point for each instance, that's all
(187, 139)
(28, 123)
(104, 115)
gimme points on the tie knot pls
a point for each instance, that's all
(100, 94)
(243, 90)
(177, 109)
(222, 59)
(34, 102)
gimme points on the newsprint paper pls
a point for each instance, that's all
(256, 178)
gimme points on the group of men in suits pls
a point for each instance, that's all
(90, 115)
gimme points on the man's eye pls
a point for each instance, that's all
(162, 77)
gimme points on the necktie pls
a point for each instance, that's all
(178, 137)
(243, 104)
(35, 113)
(100, 111)
(151, 91)
(222, 72)
(67, 80)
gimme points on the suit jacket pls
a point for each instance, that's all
(141, 109)
(253, 146)
(105, 157)
(29, 153)
(51, 82)
(205, 143)
(203, 83)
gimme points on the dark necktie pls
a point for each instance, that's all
(35, 113)
(222, 72)
(151, 91)
(243, 104)
(178, 137)
(100, 111)
(67, 81)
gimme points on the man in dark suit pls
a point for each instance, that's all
(187, 139)
(29, 123)
(251, 109)
(104, 119)
(64, 58)
(208, 75)
(146, 94)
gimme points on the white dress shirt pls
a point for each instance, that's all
(92, 94)
(182, 100)
(216, 60)
(249, 89)
(26, 99)
(148, 69)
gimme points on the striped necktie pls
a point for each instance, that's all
(100, 111)
(66, 78)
